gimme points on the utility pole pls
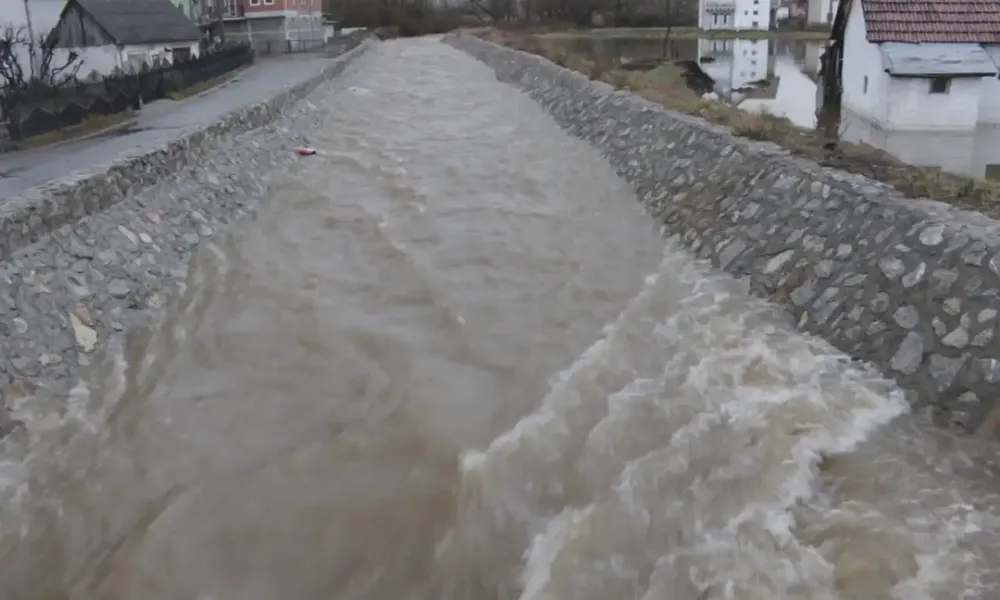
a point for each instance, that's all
(218, 20)
(31, 39)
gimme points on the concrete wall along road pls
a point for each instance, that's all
(911, 285)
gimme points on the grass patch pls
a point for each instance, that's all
(205, 85)
(666, 85)
(86, 127)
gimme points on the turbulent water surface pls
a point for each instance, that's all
(452, 360)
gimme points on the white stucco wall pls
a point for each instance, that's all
(989, 101)
(912, 107)
(952, 151)
(739, 14)
(863, 62)
(715, 19)
(752, 14)
(105, 59)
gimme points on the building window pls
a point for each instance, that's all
(756, 24)
(254, 2)
(865, 89)
(268, 2)
(939, 85)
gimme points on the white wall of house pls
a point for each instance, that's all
(716, 18)
(865, 83)
(753, 14)
(952, 151)
(734, 14)
(103, 60)
(911, 106)
(989, 101)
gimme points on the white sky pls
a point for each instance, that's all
(44, 13)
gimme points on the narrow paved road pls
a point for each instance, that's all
(158, 123)
(451, 360)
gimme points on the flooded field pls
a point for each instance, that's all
(780, 76)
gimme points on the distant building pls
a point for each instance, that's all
(271, 26)
(821, 12)
(190, 8)
(907, 78)
(734, 14)
(112, 35)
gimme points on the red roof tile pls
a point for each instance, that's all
(948, 21)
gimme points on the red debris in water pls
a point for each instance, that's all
(305, 151)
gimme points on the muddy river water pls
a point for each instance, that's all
(452, 360)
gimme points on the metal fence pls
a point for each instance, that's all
(40, 109)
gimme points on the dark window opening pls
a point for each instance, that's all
(939, 85)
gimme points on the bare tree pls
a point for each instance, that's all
(670, 17)
(47, 67)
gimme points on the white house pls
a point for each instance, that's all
(911, 76)
(123, 35)
(734, 14)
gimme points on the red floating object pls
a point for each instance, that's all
(305, 151)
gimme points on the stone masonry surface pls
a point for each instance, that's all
(911, 285)
(113, 248)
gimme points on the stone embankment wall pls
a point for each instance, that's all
(114, 246)
(911, 285)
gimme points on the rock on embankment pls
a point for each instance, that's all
(910, 285)
(87, 257)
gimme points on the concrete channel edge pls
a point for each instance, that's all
(910, 285)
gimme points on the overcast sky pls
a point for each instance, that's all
(44, 13)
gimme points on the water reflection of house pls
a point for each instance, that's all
(777, 85)
(919, 83)
(734, 14)
(821, 12)
(735, 64)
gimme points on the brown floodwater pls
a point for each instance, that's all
(452, 360)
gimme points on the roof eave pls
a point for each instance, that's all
(934, 75)
(163, 41)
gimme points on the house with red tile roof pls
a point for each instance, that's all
(917, 66)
